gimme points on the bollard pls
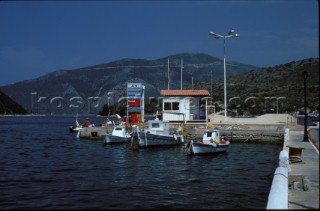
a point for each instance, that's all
(295, 154)
(284, 159)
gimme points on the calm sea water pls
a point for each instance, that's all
(43, 166)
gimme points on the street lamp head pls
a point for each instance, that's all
(217, 36)
(232, 33)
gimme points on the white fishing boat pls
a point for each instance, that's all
(120, 134)
(210, 143)
(158, 134)
(75, 128)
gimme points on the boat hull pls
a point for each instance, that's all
(111, 139)
(149, 140)
(201, 148)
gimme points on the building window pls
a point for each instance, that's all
(171, 106)
(175, 106)
(155, 125)
(167, 106)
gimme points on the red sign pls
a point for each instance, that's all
(133, 102)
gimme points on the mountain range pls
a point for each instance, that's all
(250, 89)
(86, 90)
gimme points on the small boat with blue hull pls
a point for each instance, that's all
(158, 134)
(147, 139)
(210, 143)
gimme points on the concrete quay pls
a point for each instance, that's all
(303, 175)
(296, 181)
(94, 133)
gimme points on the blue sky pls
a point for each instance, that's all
(38, 37)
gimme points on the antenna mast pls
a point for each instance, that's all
(181, 71)
(168, 74)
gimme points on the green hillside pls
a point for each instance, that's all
(257, 91)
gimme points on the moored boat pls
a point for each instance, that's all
(75, 128)
(210, 143)
(158, 134)
(120, 134)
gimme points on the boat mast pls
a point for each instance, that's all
(168, 75)
(211, 88)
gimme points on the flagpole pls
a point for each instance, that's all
(181, 71)
(207, 111)
(168, 74)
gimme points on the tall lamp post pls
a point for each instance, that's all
(305, 76)
(217, 36)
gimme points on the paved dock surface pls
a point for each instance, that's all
(303, 173)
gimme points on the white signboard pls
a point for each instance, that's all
(134, 85)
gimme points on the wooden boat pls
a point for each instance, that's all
(210, 143)
(120, 134)
(158, 134)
